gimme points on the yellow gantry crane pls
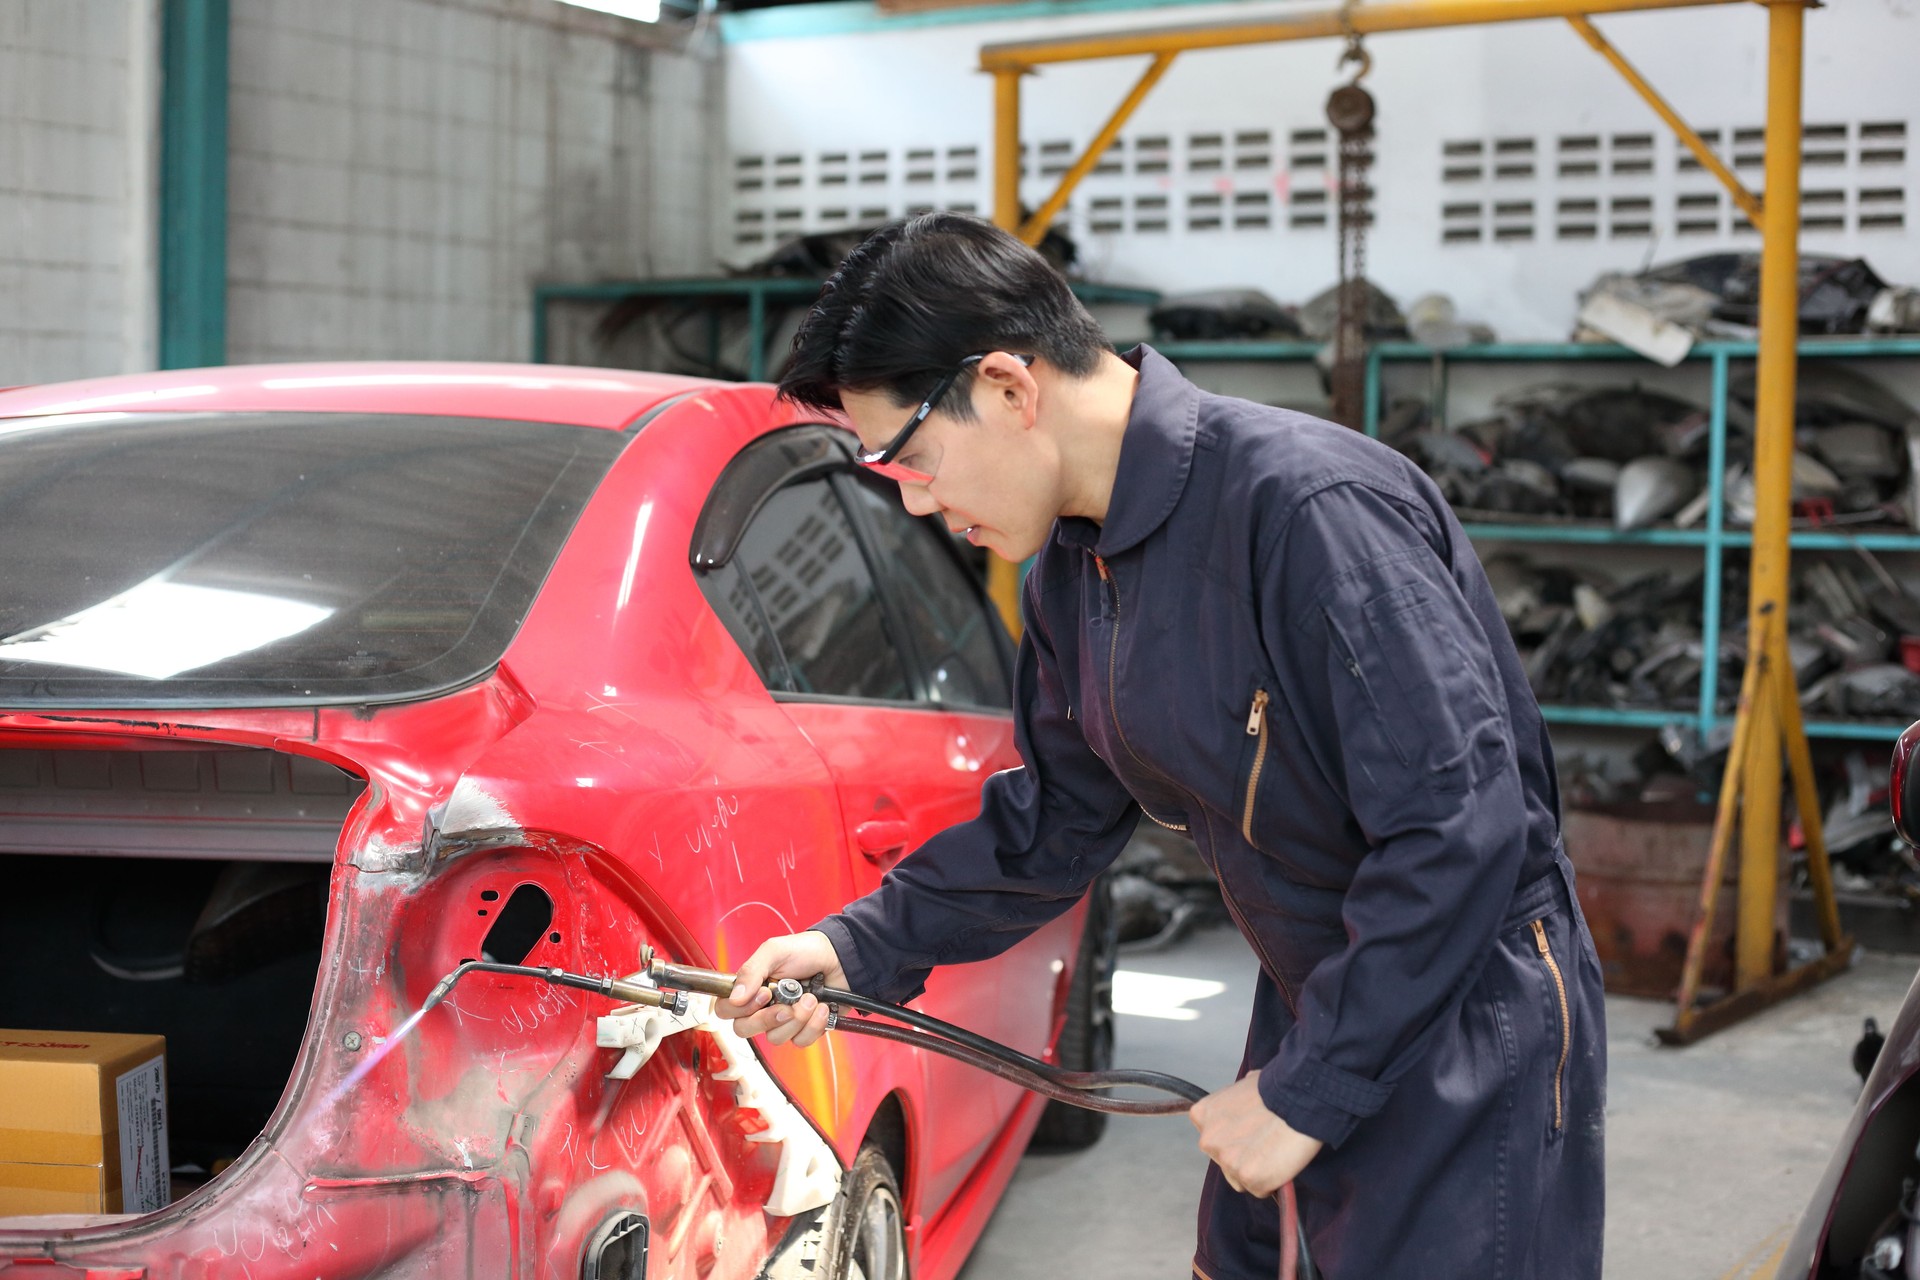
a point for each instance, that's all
(1768, 720)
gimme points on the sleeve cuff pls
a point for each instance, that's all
(861, 975)
(1318, 1100)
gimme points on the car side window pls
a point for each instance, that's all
(817, 594)
(945, 612)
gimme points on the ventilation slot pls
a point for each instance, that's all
(1206, 153)
(1632, 153)
(1461, 160)
(787, 171)
(749, 173)
(1106, 215)
(1749, 148)
(1823, 145)
(1307, 149)
(1577, 220)
(1252, 211)
(1149, 214)
(1513, 158)
(1112, 161)
(873, 168)
(1056, 157)
(1882, 208)
(963, 164)
(1715, 140)
(1697, 214)
(1203, 212)
(920, 165)
(1253, 149)
(1823, 210)
(1630, 217)
(1883, 142)
(833, 168)
(1153, 155)
(1460, 222)
(1307, 208)
(1578, 156)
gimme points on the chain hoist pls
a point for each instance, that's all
(1350, 112)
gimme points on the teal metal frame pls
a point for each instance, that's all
(193, 184)
(1712, 540)
(758, 292)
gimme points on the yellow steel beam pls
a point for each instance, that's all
(1773, 484)
(1359, 19)
(1748, 202)
(1036, 226)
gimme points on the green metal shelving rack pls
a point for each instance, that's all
(1711, 541)
(758, 292)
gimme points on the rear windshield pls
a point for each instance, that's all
(253, 559)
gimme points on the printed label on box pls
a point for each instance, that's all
(145, 1171)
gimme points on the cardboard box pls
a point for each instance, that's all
(83, 1123)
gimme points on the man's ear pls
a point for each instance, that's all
(1003, 384)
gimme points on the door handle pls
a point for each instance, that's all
(878, 837)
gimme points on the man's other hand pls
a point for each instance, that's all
(1257, 1151)
(796, 955)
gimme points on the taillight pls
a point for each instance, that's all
(1905, 801)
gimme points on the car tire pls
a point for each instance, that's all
(1086, 1041)
(867, 1239)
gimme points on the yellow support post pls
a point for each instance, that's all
(1036, 227)
(1773, 486)
(1748, 203)
(1003, 577)
(1006, 150)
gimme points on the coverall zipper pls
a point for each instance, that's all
(1256, 728)
(1566, 1032)
(1113, 684)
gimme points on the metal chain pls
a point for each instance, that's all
(1350, 111)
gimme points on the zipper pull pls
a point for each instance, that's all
(1257, 718)
(1540, 938)
(1101, 565)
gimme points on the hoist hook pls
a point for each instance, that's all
(1355, 51)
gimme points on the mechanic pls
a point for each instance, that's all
(1270, 632)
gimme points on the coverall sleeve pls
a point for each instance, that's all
(1393, 679)
(1044, 831)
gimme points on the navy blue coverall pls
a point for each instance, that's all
(1281, 642)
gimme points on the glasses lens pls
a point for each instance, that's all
(895, 471)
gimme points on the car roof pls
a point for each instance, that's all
(578, 396)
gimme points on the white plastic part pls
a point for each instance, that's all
(807, 1175)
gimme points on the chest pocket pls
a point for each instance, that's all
(1433, 707)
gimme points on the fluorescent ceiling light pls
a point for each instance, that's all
(159, 629)
(638, 10)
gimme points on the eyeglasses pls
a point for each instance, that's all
(881, 460)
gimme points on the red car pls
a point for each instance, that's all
(319, 680)
(1863, 1222)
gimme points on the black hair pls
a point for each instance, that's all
(917, 297)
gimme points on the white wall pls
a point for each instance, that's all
(77, 142)
(895, 92)
(404, 171)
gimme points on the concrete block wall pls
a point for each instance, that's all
(77, 143)
(401, 174)
(404, 171)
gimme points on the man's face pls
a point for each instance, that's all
(995, 479)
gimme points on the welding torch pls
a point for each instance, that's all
(666, 986)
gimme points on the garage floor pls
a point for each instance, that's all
(1712, 1151)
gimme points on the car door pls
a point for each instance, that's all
(837, 654)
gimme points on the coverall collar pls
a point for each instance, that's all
(1155, 456)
